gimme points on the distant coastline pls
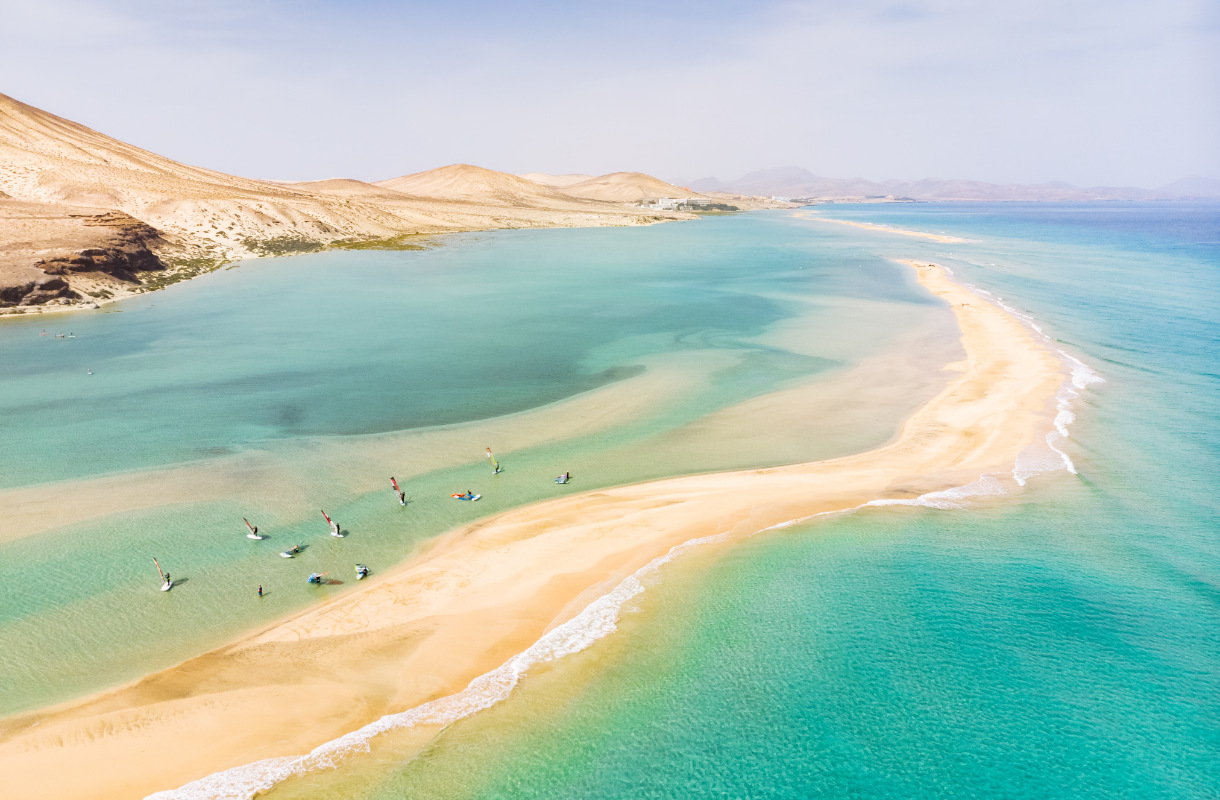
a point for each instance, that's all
(800, 185)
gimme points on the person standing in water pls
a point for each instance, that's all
(260, 590)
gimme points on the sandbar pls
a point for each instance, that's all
(872, 226)
(484, 592)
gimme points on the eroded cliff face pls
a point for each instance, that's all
(125, 253)
(53, 254)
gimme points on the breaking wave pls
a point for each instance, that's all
(948, 499)
(1049, 455)
(597, 620)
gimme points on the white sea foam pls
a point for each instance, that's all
(597, 620)
(1050, 455)
(947, 499)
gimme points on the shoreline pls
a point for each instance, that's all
(427, 239)
(475, 598)
(872, 226)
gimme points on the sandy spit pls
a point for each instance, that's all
(485, 592)
(871, 226)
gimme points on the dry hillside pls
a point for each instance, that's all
(467, 184)
(558, 181)
(200, 217)
(626, 187)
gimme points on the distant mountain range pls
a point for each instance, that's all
(799, 183)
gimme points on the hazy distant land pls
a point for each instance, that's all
(797, 183)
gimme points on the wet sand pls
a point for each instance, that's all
(870, 226)
(487, 591)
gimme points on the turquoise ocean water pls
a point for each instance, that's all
(1063, 642)
(1060, 642)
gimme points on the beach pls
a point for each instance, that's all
(870, 226)
(479, 595)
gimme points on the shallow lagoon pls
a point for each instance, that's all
(281, 386)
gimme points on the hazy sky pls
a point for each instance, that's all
(1085, 91)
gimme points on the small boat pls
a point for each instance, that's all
(167, 583)
(466, 496)
(253, 534)
(362, 572)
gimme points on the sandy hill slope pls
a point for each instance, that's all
(626, 187)
(466, 183)
(203, 217)
(349, 187)
(45, 158)
(558, 181)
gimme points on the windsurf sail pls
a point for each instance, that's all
(328, 519)
(394, 483)
(159, 569)
(248, 525)
(495, 465)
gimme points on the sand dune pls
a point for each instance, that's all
(466, 183)
(558, 181)
(348, 187)
(626, 187)
(487, 591)
(206, 216)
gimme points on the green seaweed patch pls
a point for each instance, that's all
(406, 241)
(180, 269)
(282, 246)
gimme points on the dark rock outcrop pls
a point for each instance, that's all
(127, 251)
(36, 293)
(54, 253)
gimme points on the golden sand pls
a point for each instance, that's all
(871, 226)
(480, 594)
